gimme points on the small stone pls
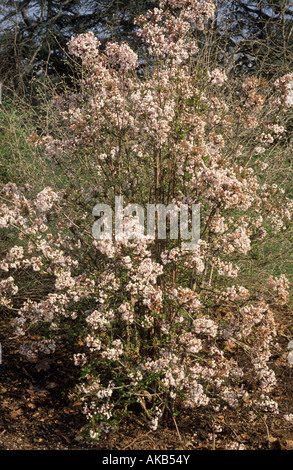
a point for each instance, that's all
(51, 385)
(290, 357)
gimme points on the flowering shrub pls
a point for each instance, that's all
(146, 310)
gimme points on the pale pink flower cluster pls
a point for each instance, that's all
(13, 258)
(122, 56)
(45, 200)
(143, 281)
(226, 268)
(250, 316)
(285, 85)
(234, 294)
(235, 446)
(223, 185)
(192, 10)
(280, 285)
(251, 97)
(217, 77)
(45, 310)
(191, 343)
(114, 351)
(154, 422)
(205, 325)
(169, 39)
(238, 240)
(260, 352)
(259, 149)
(85, 46)
(32, 351)
(268, 405)
(170, 256)
(80, 359)
(13, 216)
(266, 139)
(95, 398)
(289, 417)
(7, 288)
(127, 313)
(218, 224)
(93, 343)
(197, 258)
(157, 116)
(100, 319)
(277, 129)
(187, 298)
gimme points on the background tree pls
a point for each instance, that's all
(247, 35)
(259, 34)
(34, 33)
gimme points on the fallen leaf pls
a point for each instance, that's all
(5, 404)
(230, 347)
(77, 403)
(289, 444)
(44, 364)
(31, 405)
(16, 413)
(51, 385)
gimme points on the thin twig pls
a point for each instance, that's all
(179, 435)
(136, 439)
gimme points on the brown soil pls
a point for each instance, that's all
(35, 412)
